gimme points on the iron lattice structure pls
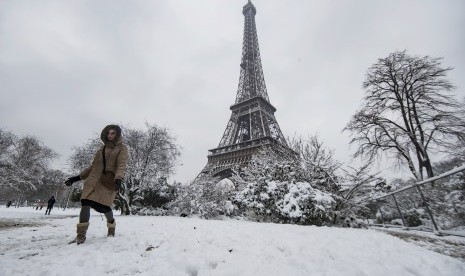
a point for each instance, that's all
(252, 125)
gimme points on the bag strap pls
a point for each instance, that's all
(104, 159)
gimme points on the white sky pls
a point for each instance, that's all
(68, 68)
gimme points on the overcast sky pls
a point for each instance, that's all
(68, 68)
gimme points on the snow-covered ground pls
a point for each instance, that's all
(188, 246)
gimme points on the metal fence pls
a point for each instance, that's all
(408, 198)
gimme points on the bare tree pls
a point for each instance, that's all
(82, 156)
(6, 146)
(317, 162)
(6, 142)
(152, 155)
(23, 161)
(408, 112)
(458, 149)
(24, 164)
(356, 187)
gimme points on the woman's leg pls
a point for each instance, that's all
(109, 216)
(84, 216)
(111, 223)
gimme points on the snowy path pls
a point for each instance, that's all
(186, 246)
(449, 245)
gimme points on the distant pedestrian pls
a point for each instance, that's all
(8, 204)
(50, 203)
(102, 180)
(40, 204)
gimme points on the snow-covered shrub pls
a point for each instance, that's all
(285, 202)
(353, 222)
(454, 201)
(385, 214)
(258, 200)
(207, 197)
(269, 188)
(412, 218)
(305, 205)
(356, 187)
(150, 211)
(158, 196)
(276, 190)
(446, 197)
(215, 200)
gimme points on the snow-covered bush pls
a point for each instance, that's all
(353, 222)
(207, 197)
(159, 195)
(357, 186)
(316, 163)
(258, 200)
(384, 214)
(268, 189)
(449, 201)
(150, 211)
(305, 205)
(412, 218)
(276, 196)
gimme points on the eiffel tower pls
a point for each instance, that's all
(252, 126)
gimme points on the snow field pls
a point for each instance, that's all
(190, 246)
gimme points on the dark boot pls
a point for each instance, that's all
(111, 228)
(81, 232)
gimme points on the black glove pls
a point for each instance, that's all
(118, 183)
(71, 180)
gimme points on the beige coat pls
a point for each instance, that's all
(95, 186)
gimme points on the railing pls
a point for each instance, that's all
(418, 185)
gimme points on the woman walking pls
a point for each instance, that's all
(102, 180)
